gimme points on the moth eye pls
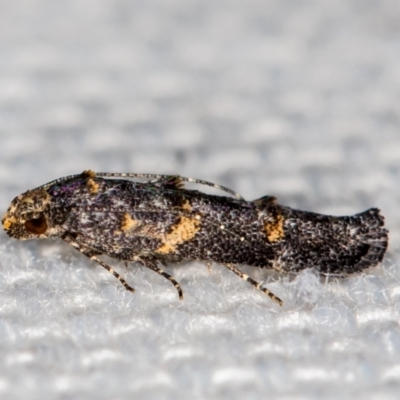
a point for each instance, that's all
(36, 225)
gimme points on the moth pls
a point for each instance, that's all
(159, 222)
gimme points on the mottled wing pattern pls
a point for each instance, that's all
(160, 221)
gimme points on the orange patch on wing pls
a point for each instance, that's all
(128, 223)
(182, 232)
(274, 229)
(92, 185)
(186, 206)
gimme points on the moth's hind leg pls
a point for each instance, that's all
(153, 266)
(256, 284)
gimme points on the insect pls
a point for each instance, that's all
(159, 221)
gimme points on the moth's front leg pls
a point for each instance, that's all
(92, 255)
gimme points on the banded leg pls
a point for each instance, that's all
(153, 266)
(89, 254)
(115, 273)
(257, 285)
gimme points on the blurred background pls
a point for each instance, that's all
(297, 99)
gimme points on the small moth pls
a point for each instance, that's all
(159, 222)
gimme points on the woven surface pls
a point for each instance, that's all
(297, 99)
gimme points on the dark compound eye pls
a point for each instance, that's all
(37, 225)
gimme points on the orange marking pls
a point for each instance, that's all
(274, 229)
(182, 232)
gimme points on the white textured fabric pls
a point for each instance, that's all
(297, 99)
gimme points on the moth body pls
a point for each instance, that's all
(159, 222)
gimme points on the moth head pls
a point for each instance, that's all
(27, 218)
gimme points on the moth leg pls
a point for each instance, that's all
(208, 266)
(91, 255)
(153, 266)
(257, 285)
(115, 273)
